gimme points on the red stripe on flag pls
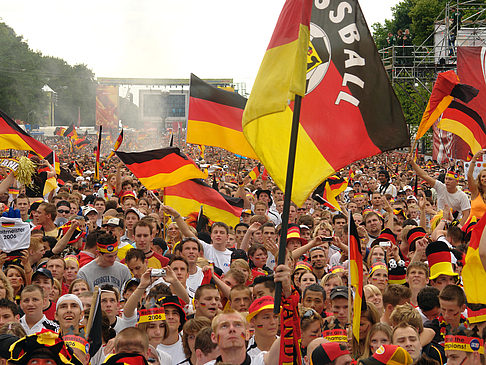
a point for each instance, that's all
(215, 113)
(166, 165)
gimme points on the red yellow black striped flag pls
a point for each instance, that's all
(340, 96)
(189, 196)
(214, 118)
(329, 190)
(466, 123)
(255, 173)
(78, 168)
(160, 168)
(70, 132)
(117, 145)
(59, 131)
(12, 137)
(356, 273)
(98, 151)
(80, 143)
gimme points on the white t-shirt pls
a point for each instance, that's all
(221, 259)
(125, 322)
(176, 351)
(457, 201)
(194, 282)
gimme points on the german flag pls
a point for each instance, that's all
(160, 168)
(78, 168)
(117, 145)
(446, 88)
(215, 118)
(98, 151)
(80, 143)
(14, 191)
(59, 131)
(465, 123)
(340, 98)
(12, 137)
(329, 190)
(474, 273)
(356, 272)
(255, 173)
(70, 132)
(190, 195)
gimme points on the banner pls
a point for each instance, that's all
(107, 106)
(14, 234)
(9, 163)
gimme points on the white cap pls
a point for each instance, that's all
(69, 297)
(87, 209)
(407, 187)
(411, 197)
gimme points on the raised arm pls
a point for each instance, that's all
(421, 173)
(471, 182)
(176, 217)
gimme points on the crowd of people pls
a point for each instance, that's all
(187, 290)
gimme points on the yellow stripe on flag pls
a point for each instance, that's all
(162, 180)
(216, 135)
(186, 206)
(462, 131)
(50, 185)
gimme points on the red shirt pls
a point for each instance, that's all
(50, 311)
(84, 258)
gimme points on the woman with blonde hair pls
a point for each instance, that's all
(477, 187)
(16, 276)
(379, 334)
(328, 282)
(6, 290)
(244, 267)
(373, 295)
(369, 317)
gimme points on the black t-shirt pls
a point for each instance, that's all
(37, 188)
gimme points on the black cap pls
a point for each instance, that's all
(239, 254)
(6, 341)
(43, 271)
(339, 292)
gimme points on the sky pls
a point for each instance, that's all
(157, 38)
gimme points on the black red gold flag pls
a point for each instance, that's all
(329, 190)
(214, 118)
(356, 274)
(348, 98)
(12, 137)
(70, 132)
(194, 195)
(80, 143)
(160, 168)
(473, 272)
(117, 145)
(466, 123)
(255, 173)
(78, 168)
(98, 151)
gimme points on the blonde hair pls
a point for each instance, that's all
(332, 275)
(9, 294)
(227, 311)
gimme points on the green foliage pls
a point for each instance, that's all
(424, 14)
(24, 72)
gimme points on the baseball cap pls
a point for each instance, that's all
(88, 209)
(136, 211)
(389, 355)
(326, 353)
(43, 271)
(262, 303)
(5, 342)
(339, 292)
(113, 222)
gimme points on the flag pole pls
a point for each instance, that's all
(288, 192)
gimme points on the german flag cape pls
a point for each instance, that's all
(347, 98)
(117, 145)
(161, 168)
(356, 271)
(214, 118)
(12, 137)
(474, 273)
(189, 196)
(466, 123)
(446, 88)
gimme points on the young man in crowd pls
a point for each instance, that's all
(207, 301)
(32, 301)
(9, 312)
(265, 323)
(240, 298)
(143, 241)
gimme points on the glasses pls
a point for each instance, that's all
(63, 211)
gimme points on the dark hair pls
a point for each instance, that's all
(5, 303)
(111, 288)
(220, 224)
(105, 238)
(178, 258)
(254, 248)
(204, 342)
(266, 280)
(144, 223)
(242, 225)
(180, 246)
(200, 289)
(192, 327)
(453, 293)
(315, 288)
(338, 216)
(428, 298)
(135, 253)
(63, 203)
(91, 239)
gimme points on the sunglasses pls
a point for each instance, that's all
(63, 211)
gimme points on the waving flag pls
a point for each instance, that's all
(214, 118)
(160, 168)
(71, 132)
(12, 137)
(193, 195)
(98, 151)
(255, 173)
(118, 143)
(342, 93)
(78, 168)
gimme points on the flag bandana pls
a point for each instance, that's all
(150, 315)
(463, 343)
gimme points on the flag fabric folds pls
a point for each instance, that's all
(333, 187)
(160, 168)
(70, 132)
(214, 118)
(79, 170)
(356, 274)
(473, 271)
(189, 196)
(98, 151)
(339, 108)
(59, 131)
(94, 326)
(80, 143)
(15, 138)
(117, 145)
(466, 123)
(446, 87)
(255, 173)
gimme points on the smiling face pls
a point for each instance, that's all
(68, 314)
